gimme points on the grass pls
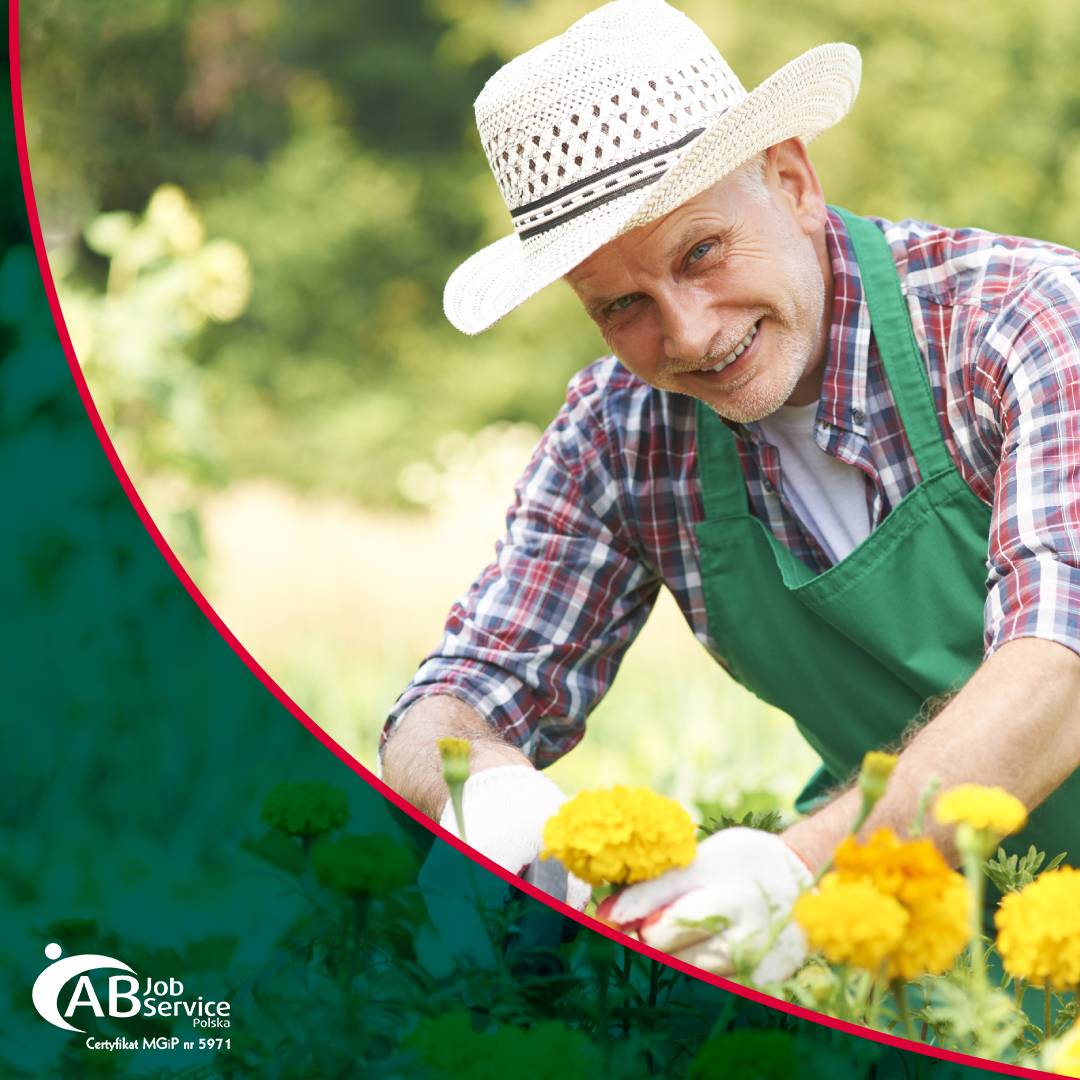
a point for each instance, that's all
(340, 605)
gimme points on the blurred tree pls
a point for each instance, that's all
(334, 143)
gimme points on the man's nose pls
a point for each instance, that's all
(686, 327)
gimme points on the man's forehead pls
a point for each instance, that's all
(655, 242)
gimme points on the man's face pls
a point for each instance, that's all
(732, 269)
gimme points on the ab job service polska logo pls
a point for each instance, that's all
(65, 996)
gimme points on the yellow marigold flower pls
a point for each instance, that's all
(851, 922)
(367, 865)
(991, 809)
(1063, 1055)
(1039, 930)
(305, 807)
(620, 835)
(916, 876)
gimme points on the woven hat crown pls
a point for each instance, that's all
(616, 122)
(626, 82)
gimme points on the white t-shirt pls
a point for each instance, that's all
(828, 495)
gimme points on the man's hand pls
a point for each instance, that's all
(410, 762)
(506, 800)
(726, 905)
(505, 811)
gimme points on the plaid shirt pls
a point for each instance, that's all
(605, 511)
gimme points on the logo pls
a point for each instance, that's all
(126, 996)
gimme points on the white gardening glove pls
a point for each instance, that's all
(747, 878)
(505, 810)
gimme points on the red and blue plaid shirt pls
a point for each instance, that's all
(605, 511)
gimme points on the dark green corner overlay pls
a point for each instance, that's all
(195, 882)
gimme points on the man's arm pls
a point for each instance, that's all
(1015, 724)
(537, 639)
(411, 762)
(1017, 721)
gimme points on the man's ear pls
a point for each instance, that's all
(789, 172)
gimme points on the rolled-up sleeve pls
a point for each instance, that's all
(535, 642)
(1034, 550)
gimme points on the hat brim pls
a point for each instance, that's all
(802, 99)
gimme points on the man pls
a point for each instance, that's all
(850, 448)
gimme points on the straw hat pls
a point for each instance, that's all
(617, 121)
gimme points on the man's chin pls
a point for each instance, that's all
(753, 399)
(745, 409)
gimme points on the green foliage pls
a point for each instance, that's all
(1009, 873)
(961, 1017)
(451, 1047)
(767, 1055)
(767, 820)
(336, 146)
(165, 283)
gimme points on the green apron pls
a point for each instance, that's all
(853, 654)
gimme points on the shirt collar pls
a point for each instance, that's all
(843, 388)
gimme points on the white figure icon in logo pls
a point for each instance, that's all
(48, 984)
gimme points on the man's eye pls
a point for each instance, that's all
(622, 303)
(699, 252)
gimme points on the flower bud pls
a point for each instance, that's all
(874, 775)
(455, 759)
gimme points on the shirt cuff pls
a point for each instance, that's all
(1040, 599)
(509, 706)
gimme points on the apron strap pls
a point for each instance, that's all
(723, 487)
(890, 322)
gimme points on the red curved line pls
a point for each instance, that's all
(365, 774)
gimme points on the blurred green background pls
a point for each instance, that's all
(251, 210)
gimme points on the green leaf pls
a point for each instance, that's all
(278, 850)
(771, 821)
(1010, 873)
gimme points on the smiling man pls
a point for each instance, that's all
(849, 447)
(681, 301)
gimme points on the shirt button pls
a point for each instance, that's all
(767, 484)
(858, 415)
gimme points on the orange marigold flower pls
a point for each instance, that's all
(916, 876)
(937, 931)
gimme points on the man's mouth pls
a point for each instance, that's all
(745, 345)
(738, 350)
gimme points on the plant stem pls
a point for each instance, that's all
(626, 971)
(1046, 1013)
(860, 820)
(877, 995)
(864, 984)
(900, 993)
(928, 794)
(973, 873)
(456, 792)
(603, 1012)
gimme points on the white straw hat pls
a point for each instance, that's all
(614, 123)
